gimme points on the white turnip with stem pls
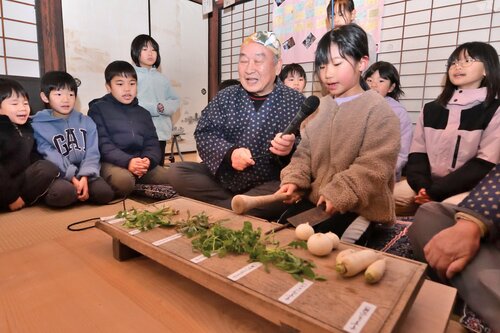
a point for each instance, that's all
(319, 244)
(334, 238)
(303, 231)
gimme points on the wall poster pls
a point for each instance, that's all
(300, 24)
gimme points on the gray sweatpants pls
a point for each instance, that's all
(479, 283)
(194, 180)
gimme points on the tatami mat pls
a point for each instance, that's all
(39, 223)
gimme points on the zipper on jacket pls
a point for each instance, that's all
(18, 130)
(455, 154)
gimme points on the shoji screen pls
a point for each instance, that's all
(417, 37)
(18, 33)
(242, 20)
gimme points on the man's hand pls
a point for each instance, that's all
(422, 197)
(450, 250)
(329, 205)
(18, 204)
(292, 192)
(282, 145)
(241, 158)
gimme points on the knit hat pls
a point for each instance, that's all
(266, 38)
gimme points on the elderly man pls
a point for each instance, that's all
(462, 245)
(238, 136)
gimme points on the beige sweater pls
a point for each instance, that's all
(348, 154)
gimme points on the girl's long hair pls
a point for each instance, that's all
(351, 41)
(488, 56)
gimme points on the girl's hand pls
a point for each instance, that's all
(422, 197)
(18, 204)
(329, 205)
(282, 146)
(160, 108)
(292, 192)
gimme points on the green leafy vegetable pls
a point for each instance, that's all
(146, 220)
(209, 238)
(195, 225)
(222, 241)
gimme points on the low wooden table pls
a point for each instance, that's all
(324, 307)
(73, 284)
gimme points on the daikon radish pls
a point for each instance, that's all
(356, 262)
(342, 254)
(375, 271)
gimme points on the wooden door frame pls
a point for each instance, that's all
(50, 35)
(51, 39)
(214, 24)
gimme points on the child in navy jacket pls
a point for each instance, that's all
(130, 151)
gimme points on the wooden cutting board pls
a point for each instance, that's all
(329, 306)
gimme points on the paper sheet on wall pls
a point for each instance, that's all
(369, 17)
(300, 24)
(228, 3)
(207, 7)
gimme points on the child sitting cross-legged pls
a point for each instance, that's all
(130, 151)
(24, 176)
(68, 139)
(347, 155)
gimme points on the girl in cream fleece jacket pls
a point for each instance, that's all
(349, 148)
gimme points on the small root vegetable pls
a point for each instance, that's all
(334, 238)
(303, 231)
(343, 254)
(375, 271)
(356, 262)
(319, 244)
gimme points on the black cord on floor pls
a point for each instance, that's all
(70, 227)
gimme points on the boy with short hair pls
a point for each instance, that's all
(24, 176)
(129, 146)
(68, 139)
(294, 76)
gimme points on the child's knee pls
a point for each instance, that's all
(123, 185)
(61, 194)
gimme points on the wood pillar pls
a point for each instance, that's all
(214, 51)
(51, 35)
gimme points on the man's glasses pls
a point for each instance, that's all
(462, 63)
